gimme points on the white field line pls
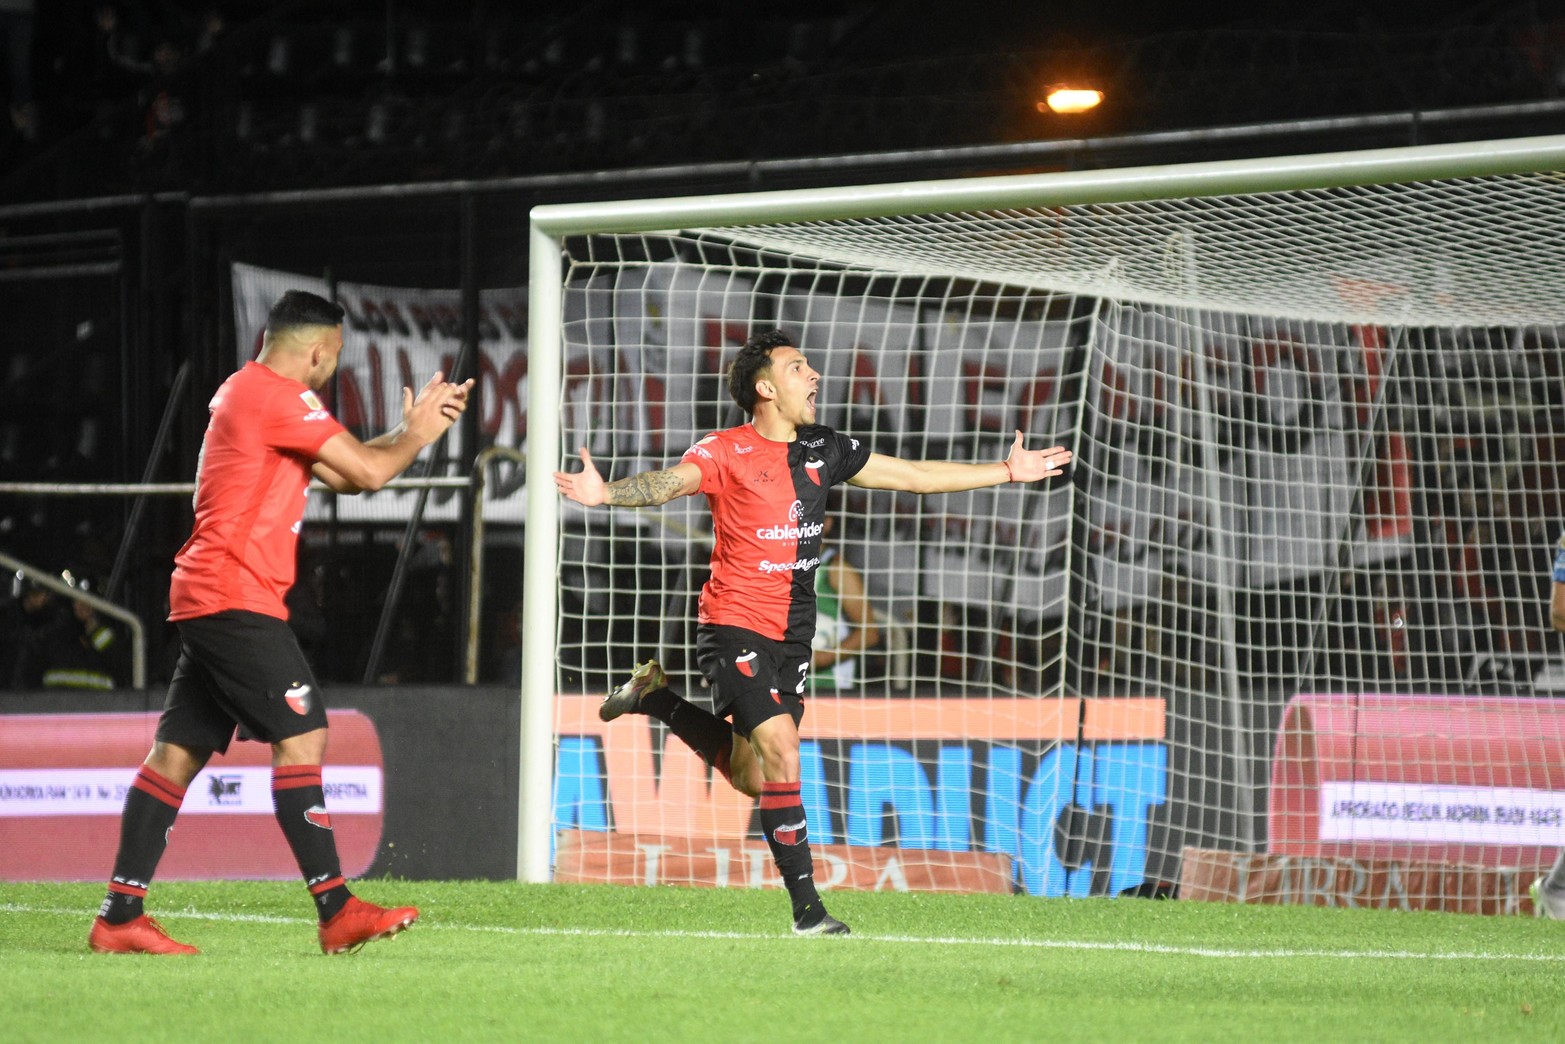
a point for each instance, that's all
(914, 940)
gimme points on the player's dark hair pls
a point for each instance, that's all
(299, 308)
(753, 357)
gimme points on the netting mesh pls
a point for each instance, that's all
(1292, 591)
(1445, 253)
(918, 368)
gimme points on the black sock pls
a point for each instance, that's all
(709, 736)
(782, 821)
(150, 810)
(300, 804)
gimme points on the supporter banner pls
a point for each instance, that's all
(647, 351)
(397, 337)
(64, 777)
(1289, 405)
(1453, 779)
(864, 347)
(965, 776)
(955, 383)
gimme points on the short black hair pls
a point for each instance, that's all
(753, 357)
(300, 308)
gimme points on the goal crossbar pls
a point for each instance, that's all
(1057, 188)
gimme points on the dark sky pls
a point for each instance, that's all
(1165, 64)
(940, 26)
(914, 27)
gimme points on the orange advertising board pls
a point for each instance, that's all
(590, 856)
(63, 780)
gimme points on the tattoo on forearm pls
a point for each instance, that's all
(645, 489)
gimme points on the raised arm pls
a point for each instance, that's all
(950, 476)
(350, 466)
(644, 489)
(853, 598)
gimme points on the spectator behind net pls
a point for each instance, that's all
(845, 627)
(64, 643)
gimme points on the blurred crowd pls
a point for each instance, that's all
(55, 640)
(119, 66)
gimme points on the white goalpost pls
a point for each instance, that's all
(1279, 635)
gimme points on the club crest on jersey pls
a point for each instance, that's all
(746, 664)
(298, 698)
(812, 469)
(318, 816)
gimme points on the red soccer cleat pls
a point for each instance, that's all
(143, 935)
(360, 922)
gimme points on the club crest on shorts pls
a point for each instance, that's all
(318, 815)
(298, 698)
(746, 664)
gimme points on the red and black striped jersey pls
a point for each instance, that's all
(768, 502)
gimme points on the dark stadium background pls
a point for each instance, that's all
(403, 143)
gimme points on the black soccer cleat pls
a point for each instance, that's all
(816, 921)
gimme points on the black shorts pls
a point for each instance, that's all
(244, 670)
(753, 677)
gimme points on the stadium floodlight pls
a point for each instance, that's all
(1306, 395)
(1071, 100)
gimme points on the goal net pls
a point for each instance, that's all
(1283, 621)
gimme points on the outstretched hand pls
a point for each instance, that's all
(1027, 465)
(585, 486)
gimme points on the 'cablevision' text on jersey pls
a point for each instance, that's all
(768, 504)
(251, 487)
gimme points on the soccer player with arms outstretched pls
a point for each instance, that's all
(240, 666)
(766, 482)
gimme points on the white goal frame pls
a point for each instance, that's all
(551, 225)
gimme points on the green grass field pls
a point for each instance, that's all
(503, 961)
